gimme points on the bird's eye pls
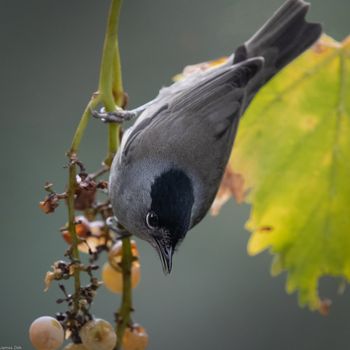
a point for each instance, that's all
(152, 220)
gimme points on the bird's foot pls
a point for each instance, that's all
(117, 228)
(117, 116)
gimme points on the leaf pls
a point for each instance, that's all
(293, 151)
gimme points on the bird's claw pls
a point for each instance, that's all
(117, 116)
(115, 226)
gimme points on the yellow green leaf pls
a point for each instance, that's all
(293, 151)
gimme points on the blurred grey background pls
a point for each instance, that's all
(217, 296)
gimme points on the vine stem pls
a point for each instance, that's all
(110, 84)
(71, 227)
(124, 313)
(72, 183)
(84, 120)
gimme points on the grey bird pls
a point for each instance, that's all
(168, 168)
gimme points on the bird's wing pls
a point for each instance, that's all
(219, 84)
(213, 105)
(209, 105)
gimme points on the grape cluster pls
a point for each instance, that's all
(46, 333)
(95, 235)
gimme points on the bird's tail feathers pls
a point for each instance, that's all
(281, 39)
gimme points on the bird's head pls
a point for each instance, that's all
(157, 208)
(169, 215)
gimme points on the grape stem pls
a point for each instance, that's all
(72, 183)
(110, 84)
(71, 227)
(110, 93)
(123, 318)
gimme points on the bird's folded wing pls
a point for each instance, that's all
(221, 82)
(212, 103)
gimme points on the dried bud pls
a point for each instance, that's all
(91, 235)
(49, 277)
(82, 229)
(102, 185)
(85, 193)
(60, 269)
(49, 204)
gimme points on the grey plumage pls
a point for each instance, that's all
(182, 140)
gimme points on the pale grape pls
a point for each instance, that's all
(46, 333)
(113, 279)
(98, 334)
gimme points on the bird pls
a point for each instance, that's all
(168, 168)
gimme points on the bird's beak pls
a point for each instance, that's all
(166, 256)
